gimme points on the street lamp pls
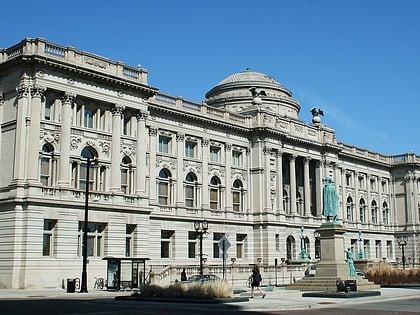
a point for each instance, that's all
(361, 254)
(201, 228)
(86, 153)
(402, 242)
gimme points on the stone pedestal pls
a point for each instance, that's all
(332, 266)
(332, 263)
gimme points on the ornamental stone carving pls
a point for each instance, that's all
(106, 147)
(74, 142)
(118, 109)
(128, 150)
(37, 91)
(180, 136)
(68, 98)
(49, 136)
(153, 131)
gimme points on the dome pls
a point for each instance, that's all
(247, 89)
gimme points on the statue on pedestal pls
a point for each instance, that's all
(350, 262)
(330, 201)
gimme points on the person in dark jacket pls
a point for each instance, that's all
(256, 281)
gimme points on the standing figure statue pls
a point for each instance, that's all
(350, 262)
(330, 200)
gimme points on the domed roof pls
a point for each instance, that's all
(248, 78)
(247, 89)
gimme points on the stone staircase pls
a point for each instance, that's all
(329, 284)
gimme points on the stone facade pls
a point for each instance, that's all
(242, 160)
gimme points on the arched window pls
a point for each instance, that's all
(191, 192)
(362, 210)
(126, 176)
(237, 196)
(349, 207)
(385, 213)
(290, 247)
(164, 187)
(46, 166)
(88, 154)
(215, 193)
(317, 247)
(374, 211)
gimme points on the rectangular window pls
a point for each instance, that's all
(166, 243)
(217, 253)
(163, 193)
(236, 158)
(124, 180)
(129, 239)
(95, 236)
(373, 184)
(190, 149)
(45, 171)
(192, 244)
(389, 249)
(189, 196)
(214, 154)
(240, 245)
(88, 118)
(348, 180)
(164, 143)
(48, 237)
(214, 198)
(378, 249)
(277, 242)
(236, 201)
(47, 108)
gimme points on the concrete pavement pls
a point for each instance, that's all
(278, 299)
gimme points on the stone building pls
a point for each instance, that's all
(241, 160)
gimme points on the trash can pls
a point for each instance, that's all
(351, 285)
(71, 285)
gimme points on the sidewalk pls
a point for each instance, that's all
(278, 299)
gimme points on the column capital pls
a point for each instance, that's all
(142, 115)
(118, 109)
(205, 142)
(37, 91)
(153, 131)
(23, 90)
(228, 147)
(180, 136)
(68, 98)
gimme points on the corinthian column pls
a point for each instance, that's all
(292, 166)
(141, 153)
(64, 164)
(115, 150)
(35, 123)
(306, 186)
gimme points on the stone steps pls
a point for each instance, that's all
(329, 284)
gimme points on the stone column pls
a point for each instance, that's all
(279, 170)
(35, 125)
(152, 163)
(141, 153)
(369, 200)
(64, 163)
(266, 187)
(115, 148)
(292, 167)
(307, 186)
(205, 161)
(179, 196)
(20, 137)
(356, 196)
(228, 176)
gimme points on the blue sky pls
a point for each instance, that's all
(358, 60)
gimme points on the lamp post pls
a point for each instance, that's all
(83, 286)
(402, 242)
(233, 259)
(201, 228)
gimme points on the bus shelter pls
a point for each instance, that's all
(125, 272)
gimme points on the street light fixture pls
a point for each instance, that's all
(86, 153)
(201, 228)
(402, 242)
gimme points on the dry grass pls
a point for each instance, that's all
(210, 290)
(382, 273)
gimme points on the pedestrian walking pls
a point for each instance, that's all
(183, 275)
(256, 281)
